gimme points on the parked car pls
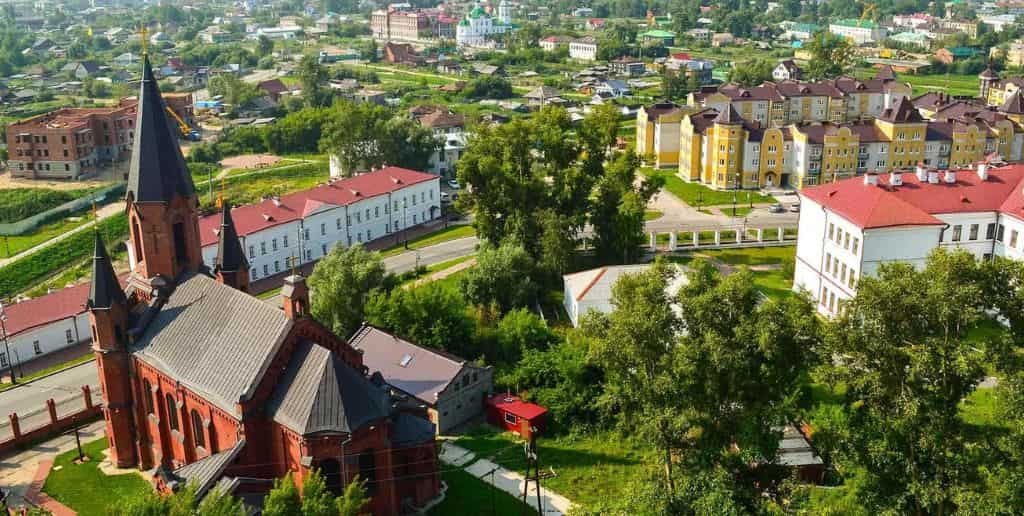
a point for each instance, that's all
(776, 208)
(795, 208)
(445, 198)
(454, 184)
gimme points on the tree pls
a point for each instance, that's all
(751, 73)
(635, 345)
(235, 91)
(283, 499)
(317, 500)
(831, 56)
(674, 85)
(907, 364)
(520, 331)
(341, 284)
(264, 46)
(502, 276)
(219, 503)
(432, 315)
(488, 87)
(351, 502)
(617, 215)
(364, 136)
(312, 75)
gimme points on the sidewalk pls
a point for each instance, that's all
(509, 481)
(46, 361)
(18, 471)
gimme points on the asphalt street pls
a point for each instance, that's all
(32, 396)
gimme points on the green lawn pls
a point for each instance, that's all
(741, 211)
(753, 255)
(441, 235)
(979, 409)
(697, 194)
(586, 467)
(430, 269)
(652, 214)
(469, 495)
(13, 245)
(84, 488)
(953, 84)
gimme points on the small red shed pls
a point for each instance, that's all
(512, 413)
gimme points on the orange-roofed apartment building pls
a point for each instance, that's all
(850, 227)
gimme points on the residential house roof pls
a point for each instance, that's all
(515, 405)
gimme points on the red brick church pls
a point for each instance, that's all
(207, 384)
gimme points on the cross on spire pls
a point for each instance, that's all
(144, 38)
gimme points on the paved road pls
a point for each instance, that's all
(32, 396)
(438, 253)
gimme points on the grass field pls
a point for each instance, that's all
(470, 495)
(773, 282)
(84, 488)
(12, 245)
(696, 194)
(949, 83)
(441, 235)
(652, 214)
(586, 467)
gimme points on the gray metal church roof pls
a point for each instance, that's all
(157, 169)
(319, 394)
(216, 340)
(205, 472)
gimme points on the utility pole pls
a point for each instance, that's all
(7, 348)
(532, 463)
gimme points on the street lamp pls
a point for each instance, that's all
(7, 348)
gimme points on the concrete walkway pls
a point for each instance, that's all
(18, 471)
(509, 481)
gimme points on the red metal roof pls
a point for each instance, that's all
(915, 203)
(43, 310)
(514, 405)
(269, 213)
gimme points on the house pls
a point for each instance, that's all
(699, 34)
(82, 69)
(117, 35)
(274, 89)
(401, 53)
(596, 24)
(541, 96)
(950, 54)
(614, 88)
(453, 87)
(859, 32)
(127, 59)
(487, 70)
(1013, 53)
(627, 66)
(280, 32)
(658, 37)
(449, 128)
(366, 96)
(451, 390)
(591, 290)
(787, 70)
(449, 67)
(515, 415)
(551, 43)
(214, 34)
(848, 228)
(582, 12)
(583, 49)
(205, 383)
(722, 39)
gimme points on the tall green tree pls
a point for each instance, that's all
(831, 55)
(365, 136)
(312, 75)
(902, 351)
(264, 46)
(751, 73)
(317, 500)
(341, 284)
(503, 276)
(283, 499)
(355, 497)
(432, 315)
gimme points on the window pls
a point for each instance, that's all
(359, 218)
(846, 240)
(856, 242)
(323, 228)
(990, 231)
(1013, 238)
(36, 348)
(284, 240)
(973, 234)
(273, 244)
(828, 263)
(252, 251)
(69, 337)
(147, 396)
(999, 234)
(263, 248)
(852, 275)
(376, 211)
(197, 429)
(277, 266)
(368, 470)
(956, 232)
(305, 233)
(510, 418)
(172, 411)
(266, 269)
(831, 231)
(323, 249)
(3, 360)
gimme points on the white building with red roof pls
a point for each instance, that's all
(850, 227)
(306, 225)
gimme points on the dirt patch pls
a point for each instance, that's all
(250, 161)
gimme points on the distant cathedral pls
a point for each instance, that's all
(210, 386)
(478, 27)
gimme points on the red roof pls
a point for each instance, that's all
(257, 217)
(682, 56)
(915, 203)
(514, 405)
(43, 310)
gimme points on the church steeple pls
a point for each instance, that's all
(231, 266)
(158, 170)
(162, 202)
(105, 290)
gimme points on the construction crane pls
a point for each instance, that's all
(868, 9)
(186, 131)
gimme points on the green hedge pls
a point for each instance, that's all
(21, 274)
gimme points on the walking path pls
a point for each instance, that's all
(442, 274)
(509, 481)
(102, 213)
(19, 472)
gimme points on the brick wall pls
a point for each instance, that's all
(56, 424)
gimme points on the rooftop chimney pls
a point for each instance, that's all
(950, 177)
(871, 179)
(983, 171)
(895, 178)
(922, 173)
(933, 177)
(295, 296)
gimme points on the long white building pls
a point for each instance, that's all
(478, 28)
(308, 224)
(850, 227)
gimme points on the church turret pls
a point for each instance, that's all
(986, 79)
(295, 297)
(231, 266)
(108, 318)
(162, 202)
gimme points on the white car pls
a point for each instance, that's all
(445, 198)
(454, 184)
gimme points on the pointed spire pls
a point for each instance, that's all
(230, 256)
(158, 170)
(106, 289)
